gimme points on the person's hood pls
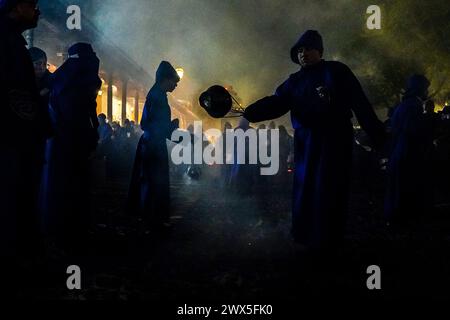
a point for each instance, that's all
(166, 71)
(417, 85)
(309, 39)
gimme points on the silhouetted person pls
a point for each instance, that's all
(365, 165)
(243, 176)
(22, 133)
(409, 171)
(225, 169)
(321, 98)
(149, 194)
(442, 143)
(44, 84)
(104, 130)
(105, 133)
(73, 110)
(43, 76)
(285, 149)
(105, 148)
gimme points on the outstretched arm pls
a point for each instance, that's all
(271, 107)
(267, 108)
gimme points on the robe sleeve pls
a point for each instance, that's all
(271, 107)
(150, 113)
(363, 109)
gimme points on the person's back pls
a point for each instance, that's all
(73, 98)
(155, 120)
(73, 106)
(149, 192)
(409, 191)
(411, 127)
(243, 175)
(105, 132)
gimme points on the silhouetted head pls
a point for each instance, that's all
(282, 129)
(101, 118)
(39, 58)
(167, 77)
(262, 126)
(81, 49)
(24, 12)
(417, 86)
(308, 50)
(272, 125)
(244, 123)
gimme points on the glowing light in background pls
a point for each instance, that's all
(180, 72)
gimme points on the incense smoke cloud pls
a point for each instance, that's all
(242, 43)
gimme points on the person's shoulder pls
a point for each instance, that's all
(155, 94)
(293, 76)
(337, 66)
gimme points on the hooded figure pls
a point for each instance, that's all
(409, 168)
(321, 98)
(22, 133)
(149, 194)
(73, 112)
(7, 5)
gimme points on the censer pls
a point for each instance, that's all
(218, 102)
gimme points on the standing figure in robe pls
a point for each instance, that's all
(409, 192)
(321, 97)
(149, 193)
(73, 104)
(22, 134)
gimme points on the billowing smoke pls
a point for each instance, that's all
(241, 43)
(246, 43)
